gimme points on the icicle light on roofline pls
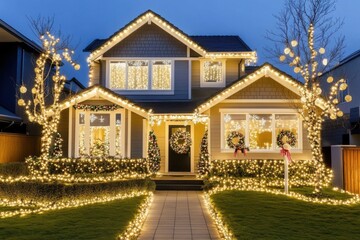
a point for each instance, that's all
(195, 118)
(148, 17)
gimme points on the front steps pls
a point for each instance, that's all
(184, 183)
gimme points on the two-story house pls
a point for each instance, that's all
(151, 75)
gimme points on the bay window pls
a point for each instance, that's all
(140, 75)
(260, 128)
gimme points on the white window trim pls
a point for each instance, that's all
(112, 130)
(248, 111)
(148, 91)
(204, 84)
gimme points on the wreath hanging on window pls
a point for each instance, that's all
(180, 142)
(240, 144)
(286, 136)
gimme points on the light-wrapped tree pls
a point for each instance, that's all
(153, 153)
(204, 161)
(307, 40)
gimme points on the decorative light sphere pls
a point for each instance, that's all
(335, 101)
(294, 43)
(332, 116)
(23, 89)
(287, 50)
(297, 69)
(318, 91)
(33, 90)
(291, 54)
(340, 114)
(282, 58)
(325, 61)
(77, 67)
(21, 102)
(330, 79)
(322, 50)
(348, 98)
(343, 86)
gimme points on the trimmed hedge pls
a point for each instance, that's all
(301, 172)
(72, 166)
(39, 191)
(13, 169)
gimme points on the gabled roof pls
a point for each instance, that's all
(99, 91)
(264, 70)
(100, 46)
(6, 29)
(222, 43)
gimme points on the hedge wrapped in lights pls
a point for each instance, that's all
(270, 172)
(73, 166)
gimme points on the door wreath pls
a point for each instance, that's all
(240, 143)
(180, 142)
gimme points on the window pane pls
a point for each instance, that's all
(260, 131)
(117, 75)
(138, 75)
(288, 122)
(233, 122)
(213, 71)
(98, 119)
(161, 75)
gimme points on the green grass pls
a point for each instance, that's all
(97, 221)
(256, 215)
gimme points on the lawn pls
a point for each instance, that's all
(97, 221)
(257, 215)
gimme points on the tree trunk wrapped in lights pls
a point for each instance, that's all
(204, 161)
(153, 153)
(306, 28)
(57, 147)
(47, 74)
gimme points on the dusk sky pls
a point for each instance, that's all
(90, 19)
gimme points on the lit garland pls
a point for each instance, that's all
(36, 109)
(134, 227)
(96, 108)
(180, 142)
(290, 138)
(195, 118)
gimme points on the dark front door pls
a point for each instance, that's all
(178, 162)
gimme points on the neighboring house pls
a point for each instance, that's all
(345, 130)
(17, 58)
(191, 83)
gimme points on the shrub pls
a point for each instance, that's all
(39, 191)
(13, 169)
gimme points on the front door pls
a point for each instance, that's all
(178, 162)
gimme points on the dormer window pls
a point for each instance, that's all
(212, 73)
(139, 75)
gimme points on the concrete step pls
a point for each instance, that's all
(186, 185)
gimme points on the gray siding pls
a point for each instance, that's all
(148, 41)
(232, 70)
(136, 136)
(264, 88)
(96, 73)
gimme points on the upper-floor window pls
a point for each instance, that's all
(212, 74)
(140, 75)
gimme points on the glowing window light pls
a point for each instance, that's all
(138, 75)
(117, 75)
(161, 75)
(213, 71)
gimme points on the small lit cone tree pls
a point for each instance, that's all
(204, 161)
(153, 153)
(57, 147)
(311, 45)
(47, 75)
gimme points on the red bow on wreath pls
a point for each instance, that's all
(285, 152)
(243, 150)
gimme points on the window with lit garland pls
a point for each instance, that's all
(212, 73)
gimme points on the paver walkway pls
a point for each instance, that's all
(178, 215)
